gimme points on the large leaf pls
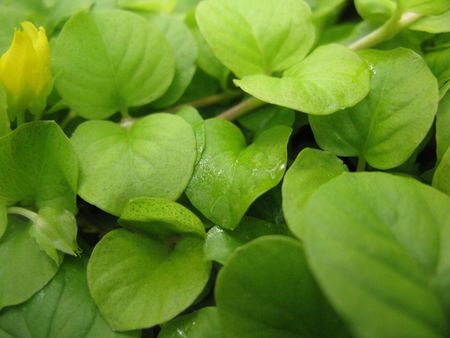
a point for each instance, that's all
(152, 157)
(442, 126)
(63, 308)
(231, 175)
(108, 61)
(253, 36)
(185, 51)
(38, 167)
(311, 169)
(24, 267)
(379, 246)
(389, 124)
(139, 282)
(332, 78)
(199, 324)
(266, 290)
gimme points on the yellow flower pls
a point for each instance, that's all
(25, 70)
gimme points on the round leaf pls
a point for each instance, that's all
(152, 157)
(139, 282)
(379, 246)
(231, 175)
(253, 36)
(110, 60)
(332, 77)
(389, 124)
(266, 290)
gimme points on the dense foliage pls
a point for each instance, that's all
(224, 168)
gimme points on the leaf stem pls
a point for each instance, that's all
(125, 113)
(385, 32)
(69, 117)
(241, 109)
(23, 212)
(20, 118)
(207, 100)
(361, 165)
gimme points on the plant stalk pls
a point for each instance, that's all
(207, 101)
(241, 109)
(361, 165)
(23, 212)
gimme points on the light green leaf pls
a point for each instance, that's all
(139, 282)
(443, 127)
(185, 51)
(192, 116)
(38, 167)
(377, 11)
(266, 290)
(109, 61)
(199, 324)
(254, 37)
(433, 24)
(147, 5)
(325, 12)
(24, 267)
(231, 175)
(378, 245)
(425, 7)
(267, 117)
(441, 178)
(220, 243)
(10, 19)
(4, 117)
(311, 169)
(160, 217)
(439, 62)
(332, 77)
(152, 157)
(63, 308)
(390, 123)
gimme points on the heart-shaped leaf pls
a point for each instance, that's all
(108, 61)
(153, 157)
(378, 245)
(331, 78)
(231, 175)
(241, 39)
(389, 124)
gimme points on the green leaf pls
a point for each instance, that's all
(266, 290)
(192, 116)
(311, 169)
(231, 175)
(332, 77)
(10, 18)
(377, 11)
(390, 123)
(220, 243)
(441, 178)
(185, 52)
(442, 127)
(109, 61)
(38, 167)
(425, 7)
(378, 245)
(139, 282)
(325, 12)
(433, 24)
(164, 218)
(267, 117)
(63, 308)
(3, 219)
(254, 37)
(24, 267)
(439, 62)
(152, 157)
(199, 324)
(4, 117)
(147, 5)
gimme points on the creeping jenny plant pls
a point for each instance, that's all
(224, 168)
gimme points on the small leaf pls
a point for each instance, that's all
(267, 117)
(311, 169)
(139, 282)
(199, 324)
(192, 116)
(378, 245)
(248, 41)
(231, 175)
(152, 157)
(442, 126)
(63, 308)
(390, 123)
(164, 218)
(433, 24)
(110, 60)
(331, 78)
(266, 290)
(24, 267)
(441, 178)
(220, 243)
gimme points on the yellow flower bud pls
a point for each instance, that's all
(25, 70)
